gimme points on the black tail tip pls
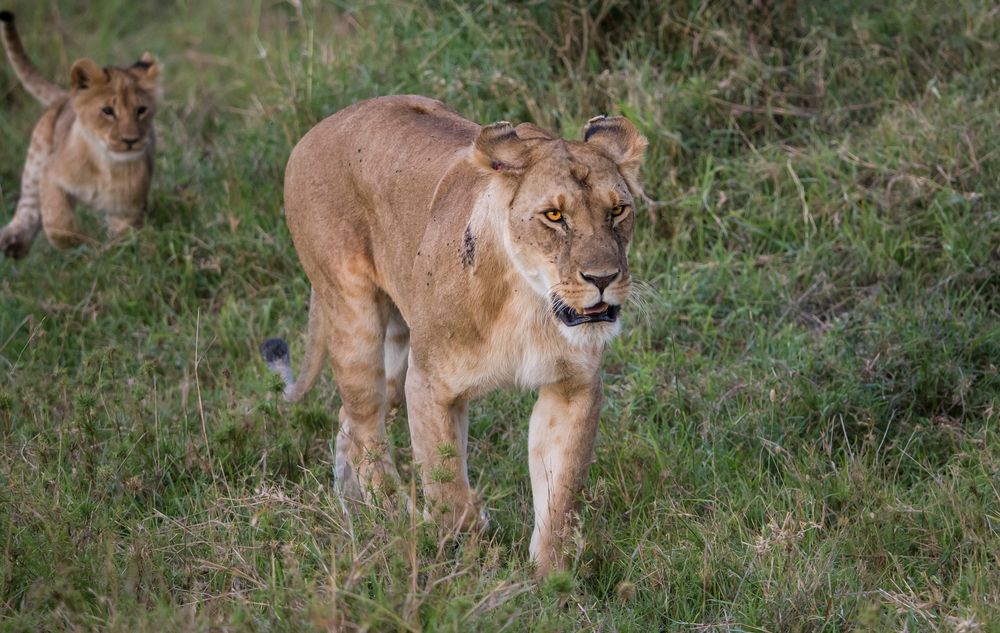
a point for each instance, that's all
(274, 350)
(6, 16)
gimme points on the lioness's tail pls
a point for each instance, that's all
(275, 353)
(39, 87)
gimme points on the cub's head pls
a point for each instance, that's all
(115, 106)
(570, 214)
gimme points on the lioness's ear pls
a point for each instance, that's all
(620, 141)
(147, 65)
(530, 131)
(499, 148)
(85, 73)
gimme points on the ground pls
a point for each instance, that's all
(800, 429)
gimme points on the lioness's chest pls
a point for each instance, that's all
(521, 354)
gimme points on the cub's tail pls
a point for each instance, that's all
(39, 87)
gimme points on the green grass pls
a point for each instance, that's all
(800, 433)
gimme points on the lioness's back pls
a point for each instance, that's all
(381, 141)
(369, 170)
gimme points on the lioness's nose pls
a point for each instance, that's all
(601, 279)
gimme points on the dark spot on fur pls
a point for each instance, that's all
(468, 249)
(419, 109)
(142, 64)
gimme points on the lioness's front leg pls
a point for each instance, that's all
(439, 433)
(561, 437)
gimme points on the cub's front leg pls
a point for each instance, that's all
(561, 436)
(58, 217)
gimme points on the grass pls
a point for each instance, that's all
(800, 433)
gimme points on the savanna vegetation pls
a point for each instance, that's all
(800, 428)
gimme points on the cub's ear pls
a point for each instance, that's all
(86, 73)
(620, 141)
(147, 65)
(498, 148)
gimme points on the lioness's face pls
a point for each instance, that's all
(115, 106)
(569, 227)
(570, 216)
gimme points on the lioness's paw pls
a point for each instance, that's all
(460, 517)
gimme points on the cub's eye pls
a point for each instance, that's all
(108, 111)
(618, 210)
(141, 110)
(554, 215)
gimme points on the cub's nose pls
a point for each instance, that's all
(601, 279)
(130, 141)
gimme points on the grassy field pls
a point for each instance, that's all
(800, 433)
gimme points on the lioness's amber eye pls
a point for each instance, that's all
(554, 215)
(108, 110)
(618, 210)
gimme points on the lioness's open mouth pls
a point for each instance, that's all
(598, 312)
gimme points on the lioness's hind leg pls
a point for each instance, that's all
(356, 336)
(397, 350)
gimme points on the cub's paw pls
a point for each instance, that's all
(64, 239)
(14, 243)
(123, 226)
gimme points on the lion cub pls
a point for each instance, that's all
(94, 144)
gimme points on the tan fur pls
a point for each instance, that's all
(408, 217)
(81, 152)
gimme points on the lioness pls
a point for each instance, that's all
(449, 259)
(94, 144)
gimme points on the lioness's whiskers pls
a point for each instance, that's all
(642, 294)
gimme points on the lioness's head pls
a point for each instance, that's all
(115, 106)
(569, 216)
